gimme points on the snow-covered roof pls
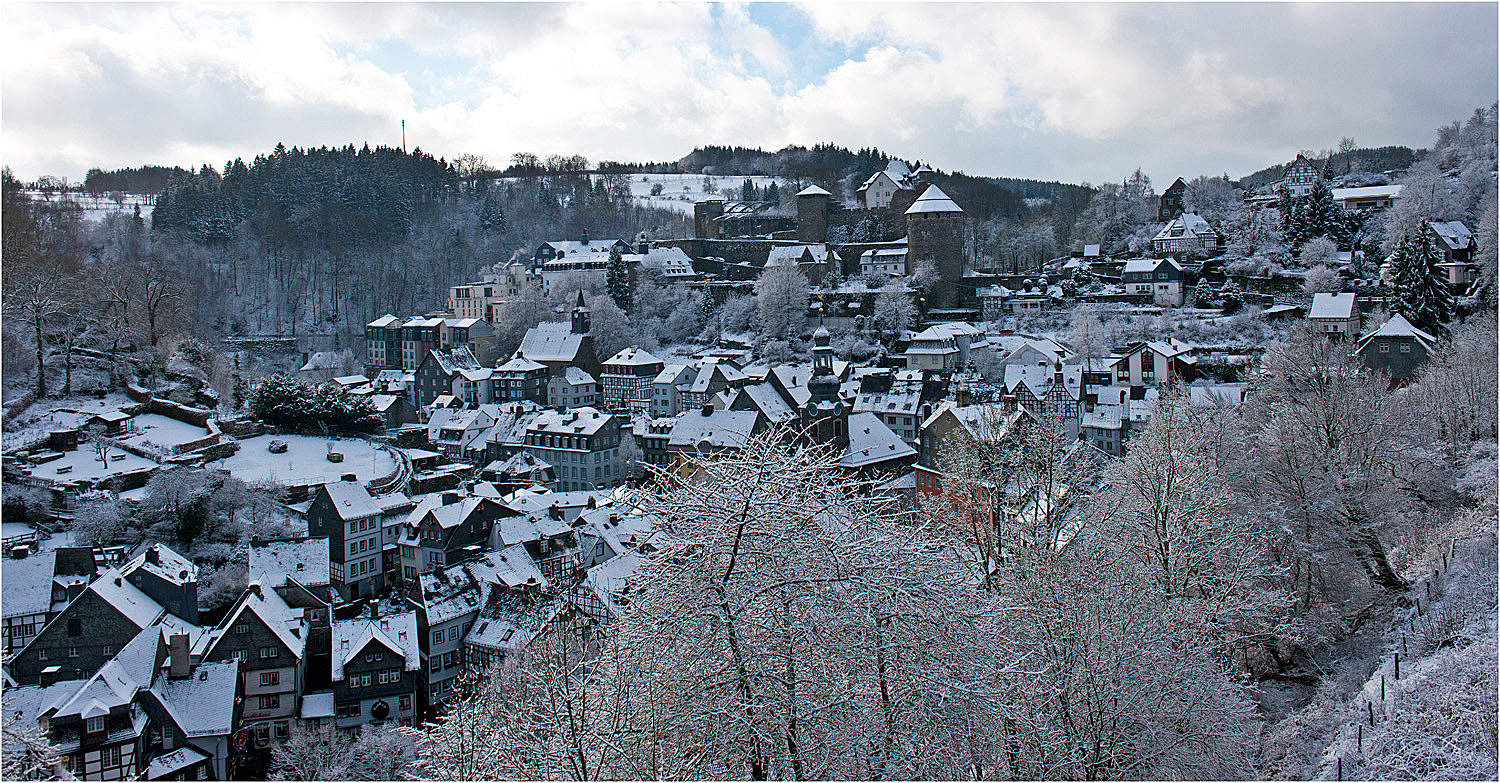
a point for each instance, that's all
(169, 566)
(1453, 234)
(304, 559)
(397, 633)
(1371, 191)
(27, 585)
(137, 607)
(550, 341)
(571, 247)
(719, 429)
(1398, 326)
(607, 579)
(509, 620)
(351, 500)
(202, 704)
(871, 442)
(176, 760)
(632, 357)
(793, 254)
(813, 190)
(317, 705)
(933, 199)
(1334, 306)
(385, 321)
(1040, 378)
(1148, 264)
(769, 402)
(672, 261)
(899, 400)
(267, 605)
(576, 421)
(1231, 393)
(577, 376)
(520, 364)
(1186, 224)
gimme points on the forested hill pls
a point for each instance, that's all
(841, 170)
(1373, 160)
(333, 198)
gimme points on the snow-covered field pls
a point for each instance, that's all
(96, 207)
(58, 414)
(83, 464)
(680, 191)
(163, 432)
(305, 460)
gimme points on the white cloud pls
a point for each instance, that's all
(1064, 91)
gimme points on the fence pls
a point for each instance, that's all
(1377, 700)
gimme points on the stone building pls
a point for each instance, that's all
(935, 234)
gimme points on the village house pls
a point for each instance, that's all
(346, 514)
(1334, 315)
(626, 380)
(1396, 350)
(268, 639)
(376, 664)
(572, 388)
(1298, 178)
(1158, 280)
(1186, 233)
(582, 445)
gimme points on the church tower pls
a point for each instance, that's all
(582, 318)
(825, 417)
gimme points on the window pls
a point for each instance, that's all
(283, 730)
(270, 678)
(110, 757)
(267, 652)
(375, 655)
(405, 703)
(242, 628)
(1385, 347)
(1406, 347)
(437, 637)
(41, 654)
(72, 652)
(382, 677)
(238, 655)
(270, 702)
(95, 725)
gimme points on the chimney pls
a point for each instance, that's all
(348, 477)
(1008, 404)
(450, 497)
(177, 656)
(152, 556)
(254, 587)
(375, 610)
(708, 409)
(962, 396)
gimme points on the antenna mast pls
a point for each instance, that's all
(403, 135)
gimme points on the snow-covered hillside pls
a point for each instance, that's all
(680, 191)
(96, 207)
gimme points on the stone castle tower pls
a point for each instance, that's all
(704, 213)
(935, 233)
(812, 214)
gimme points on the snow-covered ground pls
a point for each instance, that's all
(305, 460)
(58, 414)
(160, 431)
(84, 464)
(96, 207)
(680, 191)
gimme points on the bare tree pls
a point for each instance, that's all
(781, 299)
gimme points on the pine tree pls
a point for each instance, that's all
(1421, 290)
(617, 280)
(773, 193)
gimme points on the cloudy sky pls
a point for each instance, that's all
(1073, 92)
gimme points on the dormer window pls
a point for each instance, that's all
(95, 725)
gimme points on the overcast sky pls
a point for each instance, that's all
(1072, 92)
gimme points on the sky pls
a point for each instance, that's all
(1075, 92)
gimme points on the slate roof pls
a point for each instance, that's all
(551, 341)
(813, 190)
(202, 704)
(351, 500)
(1184, 225)
(1149, 264)
(577, 421)
(1398, 326)
(397, 633)
(872, 442)
(283, 620)
(167, 763)
(26, 586)
(1454, 234)
(717, 430)
(933, 199)
(509, 620)
(632, 357)
(1334, 306)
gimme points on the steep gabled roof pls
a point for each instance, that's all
(933, 199)
(1398, 326)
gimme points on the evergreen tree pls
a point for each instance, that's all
(491, 215)
(1233, 298)
(747, 191)
(1203, 295)
(834, 278)
(1421, 289)
(617, 280)
(773, 193)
